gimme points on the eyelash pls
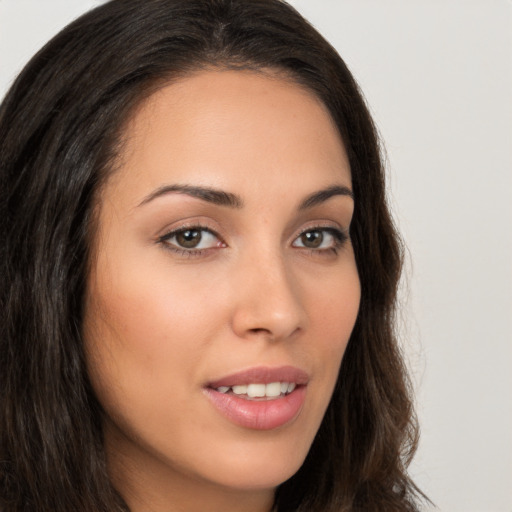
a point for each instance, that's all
(340, 238)
(188, 253)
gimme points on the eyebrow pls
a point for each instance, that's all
(211, 195)
(323, 195)
(222, 198)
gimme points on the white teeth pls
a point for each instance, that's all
(240, 390)
(256, 390)
(271, 390)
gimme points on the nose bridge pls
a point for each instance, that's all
(268, 301)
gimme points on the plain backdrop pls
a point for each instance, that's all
(437, 75)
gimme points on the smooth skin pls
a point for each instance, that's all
(188, 287)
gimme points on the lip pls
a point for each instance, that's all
(263, 375)
(260, 414)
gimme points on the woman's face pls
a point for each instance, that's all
(222, 271)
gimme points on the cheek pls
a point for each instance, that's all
(333, 312)
(149, 331)
(144, 340)
(333, 304)
(148, 306)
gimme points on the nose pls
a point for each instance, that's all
(268, 303)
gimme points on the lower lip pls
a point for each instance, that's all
(259, 414)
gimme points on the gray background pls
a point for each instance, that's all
(438, 77)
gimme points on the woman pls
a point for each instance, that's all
(200, 271)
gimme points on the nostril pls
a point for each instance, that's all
(261, 331)
(269, 334)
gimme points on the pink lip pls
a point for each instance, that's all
(260, 414)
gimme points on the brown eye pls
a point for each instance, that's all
(189, 239)
(192, 239)
(312, 239)
(320, 239)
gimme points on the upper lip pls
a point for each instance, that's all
(263, 375)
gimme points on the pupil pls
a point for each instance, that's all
(312, 239)
(189, 238)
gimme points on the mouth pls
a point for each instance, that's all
(260, 398)
(259, 391)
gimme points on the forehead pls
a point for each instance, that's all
(240, 129)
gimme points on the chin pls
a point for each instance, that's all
(247, 480)
(257, 465)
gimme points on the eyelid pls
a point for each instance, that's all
(323, 226)
(193, 251)
(340, 236)
(174, 231)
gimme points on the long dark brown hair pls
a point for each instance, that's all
(60, 125)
